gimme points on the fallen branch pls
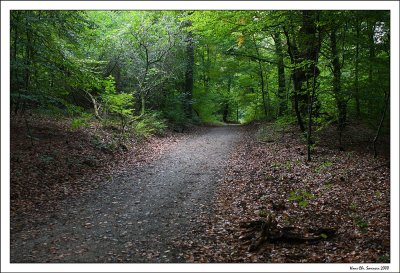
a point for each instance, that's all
(262, 231)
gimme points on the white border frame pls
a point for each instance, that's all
(194, 5)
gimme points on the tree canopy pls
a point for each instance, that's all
(311, 68)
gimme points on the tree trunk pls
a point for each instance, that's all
(28, 57)
(381, 122)
(306, 49)
(143, 83)
(293, 54)
(340, 101)
(225, 113)
(15, 50)
(310, 107)
(308, 46)
(28, 63)
(142, 104)
(14, 84)
(296, 89)
(226, 103)
(96, 107)
(281, 73)
(356, 73)
(237, 113)
(189, 73)
(371, 27)
(261, 74)
(267, 97)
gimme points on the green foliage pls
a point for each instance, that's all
(73, 110)
(323, 235)
(173, 109)
(176, 116)
(77, 123)
(275, 165)
(59, 68)
(262, 213)
(383, 259)
(148, 125)
(353, 206)
(323, 166)
(80, 121)
(288, 165)
(302, 197)
(360, 222)
(283, 121)
(206, 104)
(120, 104)
(48, 62)
(328, 186)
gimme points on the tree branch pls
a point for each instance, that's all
(252, 57)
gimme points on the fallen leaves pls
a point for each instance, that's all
(346, 192)
(342, 193)
(66, 163)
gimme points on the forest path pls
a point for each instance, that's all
(138, 216)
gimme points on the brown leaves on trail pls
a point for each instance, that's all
(63, 162)
(271, 205)
(341, 197)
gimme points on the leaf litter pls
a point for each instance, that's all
(274, 207)
(60, 163)
(270, 206)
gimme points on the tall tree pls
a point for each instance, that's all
(281, 73)
(189, 74)
(357, 65)
(303, 50)
(336, 83)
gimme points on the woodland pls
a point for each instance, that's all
(306, 93)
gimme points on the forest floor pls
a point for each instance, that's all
(215, 194)
(136, 214)
(274, 207)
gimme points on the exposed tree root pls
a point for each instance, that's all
(268, 230)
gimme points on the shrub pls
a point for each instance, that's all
(120, 104)
(148, 125)
(81, 121)
(286, 120)
(77, 123)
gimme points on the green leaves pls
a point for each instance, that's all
(323, 235)
(60, 55)
(323, 166)
(121, 104)
(360, 222)
(148, 125)
(302, 197)
(77, 123)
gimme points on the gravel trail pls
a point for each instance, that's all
(136, 217)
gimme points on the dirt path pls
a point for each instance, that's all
(136, 217)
